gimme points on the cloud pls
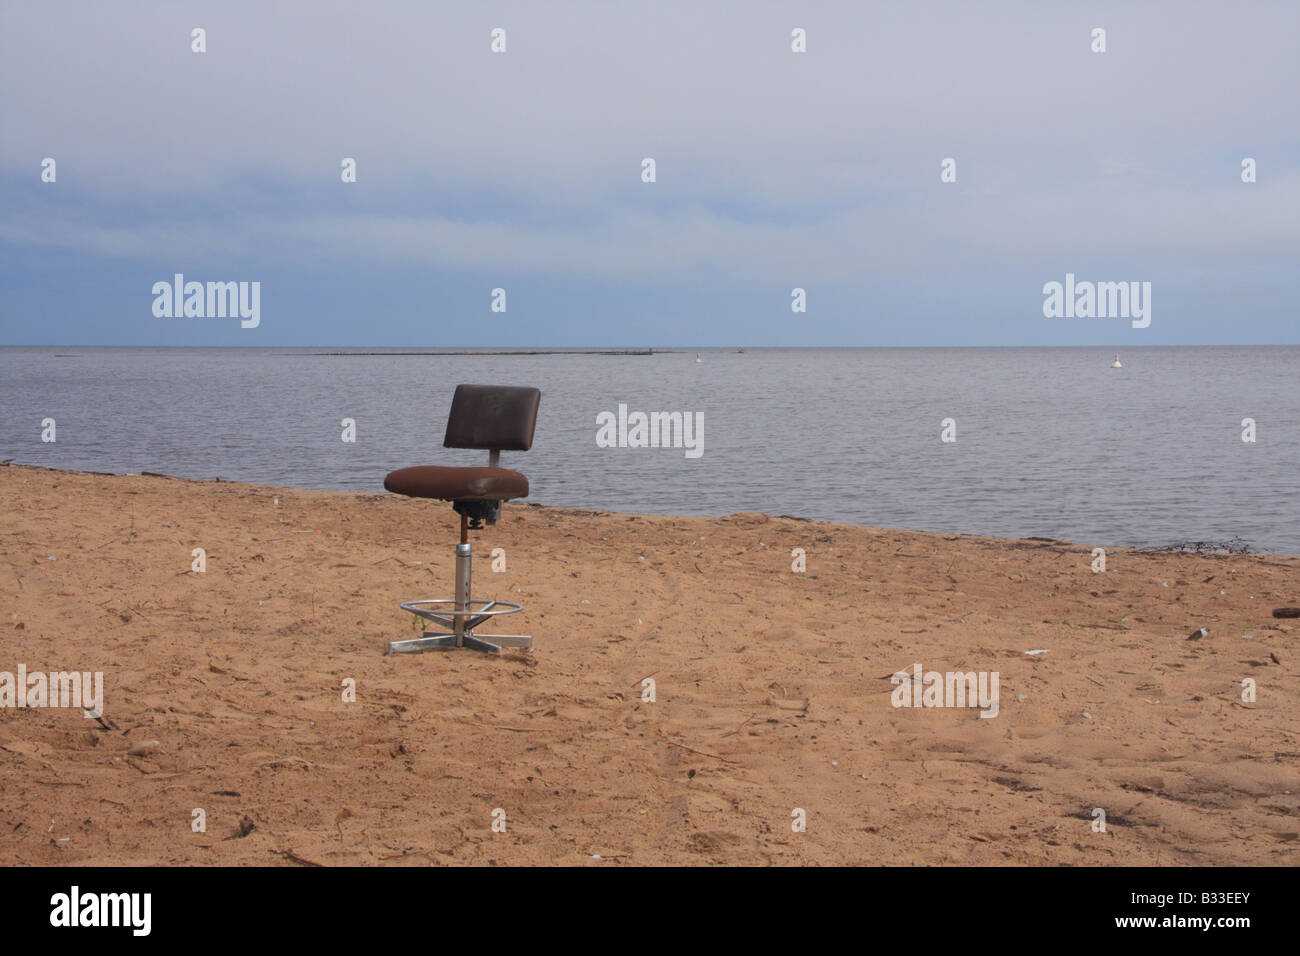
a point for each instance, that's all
(936, 234)
(821, 167)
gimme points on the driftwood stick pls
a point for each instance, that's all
(298, 859)
(669, 740)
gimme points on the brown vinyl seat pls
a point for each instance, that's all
(457, 484)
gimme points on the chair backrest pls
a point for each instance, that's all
(495, 417)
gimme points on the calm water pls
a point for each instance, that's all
(1050, 442)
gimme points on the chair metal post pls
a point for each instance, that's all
(464, 560)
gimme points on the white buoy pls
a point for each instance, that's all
(1116, 363)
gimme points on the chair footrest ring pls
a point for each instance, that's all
(461, 618)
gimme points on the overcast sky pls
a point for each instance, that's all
(775, 170)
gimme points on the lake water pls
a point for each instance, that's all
(1050, 442)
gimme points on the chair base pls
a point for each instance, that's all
(442, 641)
(462, 615)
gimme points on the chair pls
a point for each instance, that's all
(497, 418)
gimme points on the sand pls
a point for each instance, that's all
(772, 690)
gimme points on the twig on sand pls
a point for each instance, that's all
(1089, 626)
(732, 733)
(296, 858)
(702, 753)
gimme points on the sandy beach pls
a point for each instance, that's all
(772, 689)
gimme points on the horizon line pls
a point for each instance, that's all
(631, 350)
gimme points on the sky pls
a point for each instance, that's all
(774, 170)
